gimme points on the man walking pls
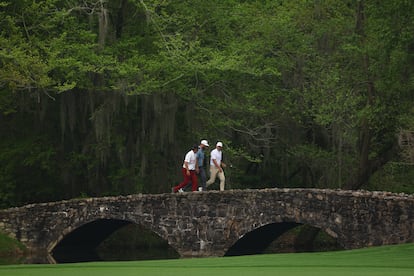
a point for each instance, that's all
(201, 164)
(216, 166)
(189, 171)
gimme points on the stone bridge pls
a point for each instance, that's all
(214, 223)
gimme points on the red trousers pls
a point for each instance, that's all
(188, 178)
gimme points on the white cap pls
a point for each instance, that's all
(219, 144)
(204, 142)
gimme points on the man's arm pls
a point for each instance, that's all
(217, 165)
(186, 167)
(196, 163)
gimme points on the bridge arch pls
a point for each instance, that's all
(251, 236)
(78, 244)
(250, 232)
(257, 240)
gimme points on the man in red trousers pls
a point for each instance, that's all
(189, 171)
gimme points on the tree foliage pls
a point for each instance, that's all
(105, 97)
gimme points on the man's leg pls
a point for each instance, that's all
(203, 178)
(222, 180)
(213, 174)
(194, 181)
(187, 179)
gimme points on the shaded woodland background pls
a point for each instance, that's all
(106, 97)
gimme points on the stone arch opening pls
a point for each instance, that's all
(282, 238)
(83, 244)
(256, 241)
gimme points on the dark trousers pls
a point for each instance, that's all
(203, 177)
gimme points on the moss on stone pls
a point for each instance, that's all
(11, 250)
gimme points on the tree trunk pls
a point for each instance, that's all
(364, 144)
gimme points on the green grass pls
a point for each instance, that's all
(10, 250)
(385, 260)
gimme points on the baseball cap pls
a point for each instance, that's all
(219, 144)
(204, 142)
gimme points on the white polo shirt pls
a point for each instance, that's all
(191, 158)
(215, 154)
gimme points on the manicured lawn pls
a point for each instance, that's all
(385, 260)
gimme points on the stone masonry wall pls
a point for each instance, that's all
(209, 223)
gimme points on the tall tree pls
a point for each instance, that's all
(105, 95)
